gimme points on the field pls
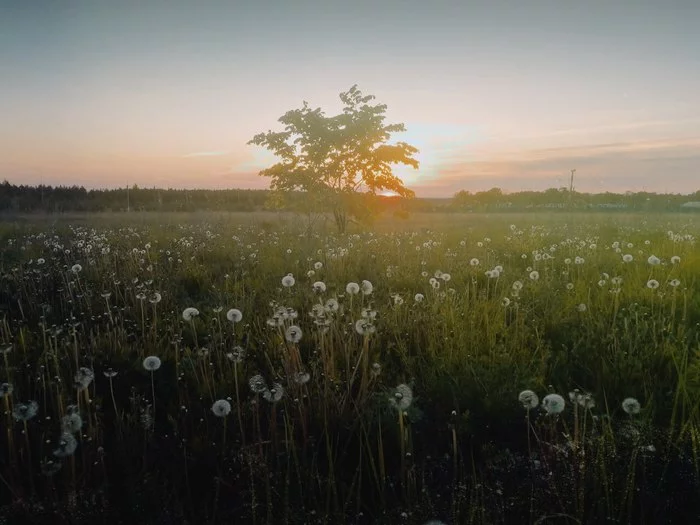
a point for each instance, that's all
(236, 368)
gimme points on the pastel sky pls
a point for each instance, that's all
(494, 93)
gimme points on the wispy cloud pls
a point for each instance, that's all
(655, 165)
(206, 154)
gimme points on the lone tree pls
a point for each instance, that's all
(335, 159)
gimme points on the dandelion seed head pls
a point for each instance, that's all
(631, 406)
(234, 315)
(528, 399)
(257, 384)
(553, 404)
(274, 393)
(221, 408)
(401, 397)
(189, 313)
(293, 334)
(152, 363)
(66, 445)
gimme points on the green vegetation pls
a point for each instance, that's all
(221, 368)
(337, 161)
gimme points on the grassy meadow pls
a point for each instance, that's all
(237, 368)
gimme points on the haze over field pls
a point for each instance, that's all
(493, 93)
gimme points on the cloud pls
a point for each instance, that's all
(672, 166)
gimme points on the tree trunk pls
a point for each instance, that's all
(341, 220)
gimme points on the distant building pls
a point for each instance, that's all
(691, 204)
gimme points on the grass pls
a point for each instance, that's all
(376, 407)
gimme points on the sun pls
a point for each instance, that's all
(388, 193)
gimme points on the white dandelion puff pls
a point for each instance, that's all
(221, 408)
(528, 399)
(274, 393)
(234, 315)
(293, 334)
(189, 313)
(631, 406)
(151, 363)
(401, 397)
(553, 404)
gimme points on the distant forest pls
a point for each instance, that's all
(61, 199)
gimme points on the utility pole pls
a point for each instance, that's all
(571, 186)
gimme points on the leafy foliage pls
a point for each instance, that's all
(332, 158)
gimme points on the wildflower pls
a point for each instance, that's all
(553, 404)
(71, 423)
(273, 394)
(301, 378)
(109, 373)
(364, 327)
(418, 297)
(367, 287)
(221, 408)
(674, 283)
(6, 389)
(151, 363)
(293, 334)
(319, 287)
(257, 384)
(627, 258)
(66, 446)
(189, 313)
(675, 259)
(653, 284)
(528, 399)
(586, 400)
(376, 369)
(569, 286)
(517, 286)
(631, 406)
(288, 280)
(234, 315)
(654, 260)
(76, 269)
(352, 288)
(474, 262)
(445, 277)
(401, 397)
(318, 265)
(25, 411)
(83, 378)
(505, 302)
(237, 354)
(155, 298)
(582, 307)
(534, 275)
(332, 305)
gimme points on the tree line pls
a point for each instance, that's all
(61, 199)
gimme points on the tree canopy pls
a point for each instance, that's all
(333, 158)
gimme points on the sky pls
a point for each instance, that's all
(494, 93)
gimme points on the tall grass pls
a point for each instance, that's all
(394, 406)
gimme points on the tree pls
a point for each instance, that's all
(335, 159)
